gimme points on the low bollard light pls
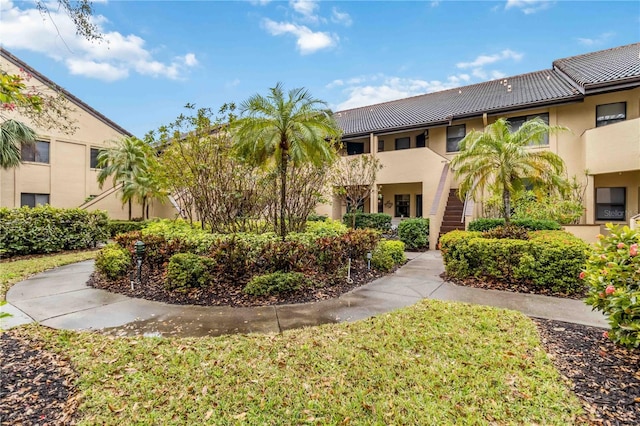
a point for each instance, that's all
(139, 250)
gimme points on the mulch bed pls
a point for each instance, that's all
(489, 283)
(605, 376)
(230, 293)
(36, 386)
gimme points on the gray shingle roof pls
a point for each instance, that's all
(606, 66)
(545, 87)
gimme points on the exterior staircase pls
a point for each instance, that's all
(453, 218)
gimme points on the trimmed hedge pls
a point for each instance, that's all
(277, 282)
(549, 259)
(186, 270)
(414, 233)
(123, 226)
(46, 229)
(379, 221)
(387, 254)
(486, 224)
(113, 261)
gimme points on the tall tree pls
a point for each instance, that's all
(354, 179)
(500, 160)
(280, 129)
(125, 161)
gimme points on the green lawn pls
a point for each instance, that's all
(15, 271)
(432, 363)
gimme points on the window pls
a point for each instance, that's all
(403, 143)
(419, 205)
(93, 161)
(610, 113)
(354, 148)
(37, 152)
(32, 200)
(421, 139)
(402, 205)
(454, 135)
(517, 122)
(610, 203)
(380, 145)
(380, 203)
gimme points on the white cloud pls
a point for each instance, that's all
(435, 3)
(483, 60)
(529, 6)
(341, 17)
(335, 83)
(307, 41)
(601, 39)
(368, 90)
(306, 8)
(109, 60)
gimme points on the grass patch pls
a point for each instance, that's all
(432, 363)
(14, 271)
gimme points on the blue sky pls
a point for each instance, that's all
(161, 55)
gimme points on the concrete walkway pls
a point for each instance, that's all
(60, 299)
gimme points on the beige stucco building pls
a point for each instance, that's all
(596, 95)
(61, 169)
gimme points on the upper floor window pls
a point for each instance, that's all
(354, 148)
(93, 161)
(421, 139)
(517, 122)
(403, 143)
(610, 113)
(454, 135)
(380, 145)
(38, 152)
(32, 200)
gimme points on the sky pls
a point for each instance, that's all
(158, 56)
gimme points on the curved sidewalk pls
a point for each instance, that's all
(59, 298)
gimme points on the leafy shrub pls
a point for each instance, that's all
(277, 282)
(46, 229)
(123, 226)
(555, 209)
(414, 233)
(549, 259)
(379, 221)
(286, 256)
(190, 237)
(327, 228)
(388, 254)
(486, 224)
(612, 275)
(511, 231)
(113, 261)
(316, 218)
(187, 270)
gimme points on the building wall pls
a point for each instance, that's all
(67, 178)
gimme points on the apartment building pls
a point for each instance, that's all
(595, 95)
(61, 169)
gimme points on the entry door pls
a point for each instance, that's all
(419, 205)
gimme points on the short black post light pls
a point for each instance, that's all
(369, 256)
(139, 249)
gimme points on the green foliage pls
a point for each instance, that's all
(45, 229)
(485, 224)
(388, 254)
(548, 208)
(316, 218)
(188, 270)
(123, 226)
(379, 221)
(511, 231)
(549, 259)
(277, 282)
(326, 228)
(113, 261)
(612, 275)
(414, 233)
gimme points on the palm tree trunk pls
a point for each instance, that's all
(145, 213)
(129, 209)
(506, 200)
(283, 193)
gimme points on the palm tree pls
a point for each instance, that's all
(124, 162)
(500, 160)
(143, 187)
(12, 135)
(280, 129)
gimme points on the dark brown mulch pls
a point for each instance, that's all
(230, 293)
(489, 283)
(36, 386)
(605, 377)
